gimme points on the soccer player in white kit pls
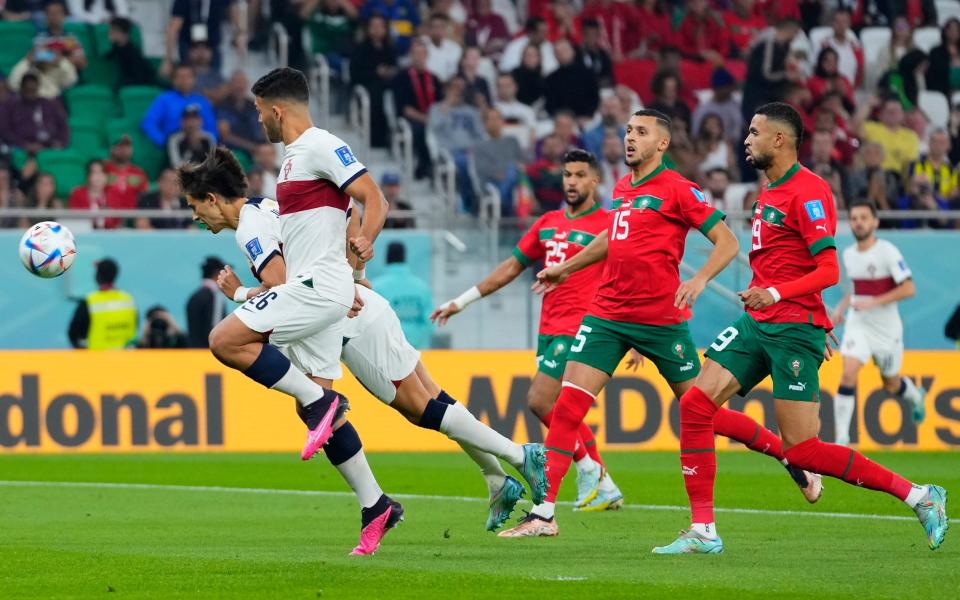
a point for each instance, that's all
(880, 279)
(318, 177)
(374, 348)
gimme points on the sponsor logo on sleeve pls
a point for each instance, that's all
(253, 248)
(346, 156)
(815, 211)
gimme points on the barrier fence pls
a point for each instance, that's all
(151, 401)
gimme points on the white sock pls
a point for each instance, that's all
(544, 510)
(295, 383)
(462, 427)
(843, 407)
(491, 468)
(917, 493)
(356, 472)
(707, 530)
(586, 464)
(607, 484)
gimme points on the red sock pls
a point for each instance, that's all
(738, 426)
(590, 443)
(581, 449)
(698, 458)
(572, 406)
(847, 464)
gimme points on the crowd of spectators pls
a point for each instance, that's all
(505, 93)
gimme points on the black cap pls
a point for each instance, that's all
(107, 271)
(191, 110)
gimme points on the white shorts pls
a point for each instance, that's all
(864, 343)
(306, 326)
(380, 356)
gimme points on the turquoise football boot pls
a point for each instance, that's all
(534, 471)
(932, 512)
(503, 502)
(691, 542)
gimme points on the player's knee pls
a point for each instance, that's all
(218, 340)
(538, 405)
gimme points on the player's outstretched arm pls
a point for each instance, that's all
(548, 279)
(903, 291)
(725, 249)
(366, 191)
(505, 272)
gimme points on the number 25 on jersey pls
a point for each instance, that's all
(556, 252)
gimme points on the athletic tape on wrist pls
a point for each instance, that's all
(240, 294)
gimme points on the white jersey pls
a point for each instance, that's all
(316, 168)
(258, 232)
(875, 271)
(259, 238)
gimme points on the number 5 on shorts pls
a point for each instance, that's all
(581, 338)
(723, 340)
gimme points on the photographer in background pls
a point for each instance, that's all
(161, 331)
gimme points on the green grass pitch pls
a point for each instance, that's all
(177, 537)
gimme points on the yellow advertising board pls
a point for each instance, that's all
(157, 400)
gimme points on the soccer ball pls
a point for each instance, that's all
(47, 249)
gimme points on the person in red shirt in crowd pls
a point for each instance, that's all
(95, 194)
(702, 34)
(126, 179)
(563, 22)
(872, 13)
(743, 22)
(833, 115)
(657, 31)
(487, 30)
(618, 21)
(777, 10)
(827, 78)
(546, 175)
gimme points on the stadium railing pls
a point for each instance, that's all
(358, 116)
(321, 80)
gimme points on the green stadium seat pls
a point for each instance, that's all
(67, 167)
(244, 159)
(93, 102)
(87, 139)
(16, 40)
(136, 99)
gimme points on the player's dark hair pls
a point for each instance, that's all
(784, 113)
(868, 204)
(283, 84)
(107, 271)
(662, 119)
(578, 155)
(219, 173)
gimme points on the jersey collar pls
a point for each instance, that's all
(649, 176)
(567, 214)
(785, 177)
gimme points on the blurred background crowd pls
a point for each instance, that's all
(88, 119)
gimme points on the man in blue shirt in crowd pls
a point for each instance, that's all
(409, 296)
(163, 117)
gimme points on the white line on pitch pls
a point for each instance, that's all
(321, 493)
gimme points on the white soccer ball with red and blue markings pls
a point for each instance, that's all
(47, 249)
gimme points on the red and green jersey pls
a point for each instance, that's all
(647, 232)
(554, 238)
(794, 218)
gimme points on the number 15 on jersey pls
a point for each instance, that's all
(621, 227)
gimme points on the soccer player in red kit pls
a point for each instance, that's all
(555, 237)
(641, 303)
(783, 333)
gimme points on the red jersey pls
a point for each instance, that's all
(647, 233)
(794, 218)
(556, 237)
(127, 182)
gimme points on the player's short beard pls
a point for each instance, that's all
(762, 162)
(274, 132)
(861, 236)
(576, 202)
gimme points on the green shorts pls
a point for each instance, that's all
(552, 354)
(601, 344)
(789, 352)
